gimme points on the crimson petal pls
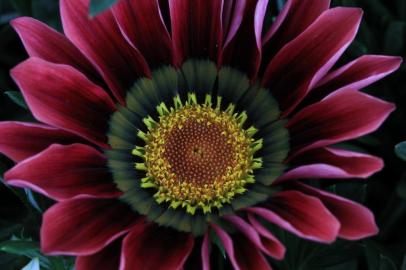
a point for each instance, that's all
(295, 18)
(343, 115)
(106, 259)
(100, 39)
(332, 163)
(302, 215)
(205, 251)
(84, 226)
(310, 56)
(154, 247)
(356, 220)
(143, 27)
(20, 140)
(245, 49)
(61, 96)
(356, 75)
(44, 42)
(63, 172)
(196, 28)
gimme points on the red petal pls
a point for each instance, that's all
(205, 252)
(356, 75)
(19, 140)
(253, 235)
(106, 259)
(196, 28)
(249, 256)
(295, 18)
(63, 172)
(155, 248)
(61, 96)
(143, 27)
(46, 43)
(343, 115)
(84, 226)
(302, 215)
(100, 40)
(356, 220)
(244, 50)
(306, 59)
(332, 163)
(227, 244)
(272, 244)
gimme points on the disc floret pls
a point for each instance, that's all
(197, 156)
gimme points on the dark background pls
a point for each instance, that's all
(383, 32)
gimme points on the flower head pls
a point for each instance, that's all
(169, 125)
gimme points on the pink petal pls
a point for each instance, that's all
(20, 140)
(106, 259)
(142, 25)
(196, 28)
(61, 96)
(356, 75)
(84, 226)
(248, 256)
(232, 16)
(356, 221)
(332, 163)
(310, 56)
(343, 115)
(227, 244)
(272, 244)
(44, 42)
(245, 49)
(295, 18)
(155, 247)
(100, 40)
(205, 252)
(253, 235)
(302, 215)
(63, 172)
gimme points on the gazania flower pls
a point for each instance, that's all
(167, 126)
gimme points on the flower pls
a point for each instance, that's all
(167, 126)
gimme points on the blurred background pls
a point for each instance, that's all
(383, 31)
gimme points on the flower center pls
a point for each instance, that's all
(197, 156)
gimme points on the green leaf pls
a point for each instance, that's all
(18, 98)
(32, 200)
(216, 240)
(400, 150)
(97, 6)
(404, 263)
(20, 247)
(33, 265)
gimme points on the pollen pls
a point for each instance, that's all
(197, 156)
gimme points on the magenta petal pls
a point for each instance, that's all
(332, 163)
(155, 247)
(196, 28)
(245, 49)
(63, 172)
(295, 18)
(84, 226)
(61, 96)
(227, 243)
(356, 220)
(248, 256)
(143, 27)
(100, 39)
(46, 43)
(302, 215)
(20, 140)
(205, 252)
(310, 56)
(343, 115)
(253, 235)
(356, 75)
(106, 259)
(275, 248)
